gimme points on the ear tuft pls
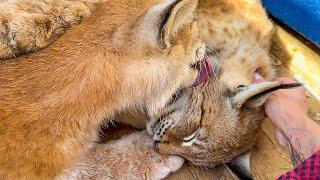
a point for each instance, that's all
(255, 94)
(259, 99)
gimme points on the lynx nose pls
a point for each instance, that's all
(160, 137)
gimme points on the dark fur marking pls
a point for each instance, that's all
(165, 115)
(174, 97)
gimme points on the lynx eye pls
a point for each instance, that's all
(191, 137)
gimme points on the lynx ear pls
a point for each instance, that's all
(162, 22)
(255, 95)
(174, 17)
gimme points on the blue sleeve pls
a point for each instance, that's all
(301, 15)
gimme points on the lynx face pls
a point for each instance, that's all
(210, 125)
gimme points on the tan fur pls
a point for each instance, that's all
(27, 26)
(53, 101)
(238, 33)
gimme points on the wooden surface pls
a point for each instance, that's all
(302, 62)
(268, 159)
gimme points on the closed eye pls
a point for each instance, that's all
(192, 136)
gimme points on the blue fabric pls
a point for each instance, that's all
(301, 15)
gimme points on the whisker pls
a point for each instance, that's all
(194, 175)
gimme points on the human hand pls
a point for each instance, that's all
(288, 110)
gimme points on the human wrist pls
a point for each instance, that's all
(302, 142)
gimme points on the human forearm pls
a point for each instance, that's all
(302, 139)
(288, 110)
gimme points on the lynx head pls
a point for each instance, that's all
(210, 125)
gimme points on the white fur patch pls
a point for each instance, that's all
(162, 173)
(173, 164)
(190, 143)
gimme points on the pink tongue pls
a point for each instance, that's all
(205, 71)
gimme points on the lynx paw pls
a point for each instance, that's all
(132, 157)
(28, 26)
(151, 164)
(172, 164)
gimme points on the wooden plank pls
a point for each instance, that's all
(268, 159)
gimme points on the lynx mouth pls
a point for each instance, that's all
(205, 71)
